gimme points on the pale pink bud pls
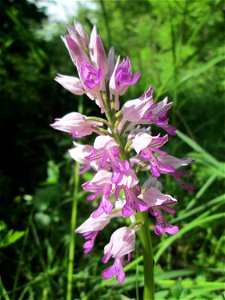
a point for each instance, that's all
(82, 32)
(70, 83)
(77, 54)
(97, 52)
(93, 38)
(75, 124)
(80, 39)
(111, 62)
(80, 154)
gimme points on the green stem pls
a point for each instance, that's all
(97, 119)
(72, 235)
(112, 120)
(3, 291)
(20, 261)
(148, 261)
(100, 130)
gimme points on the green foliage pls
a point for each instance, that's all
(179, 48)
(8, 237)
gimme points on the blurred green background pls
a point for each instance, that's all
(178, 46)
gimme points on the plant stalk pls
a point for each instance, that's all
(144, 234)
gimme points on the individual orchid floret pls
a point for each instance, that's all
(90, 76)
(125, 176)
(145, 144)
(78, 34)
(153, 197)
(92, 81)
(134, 110)
(75, 124)
(122, 243)
(133, 203)
(70, 83)
(90, 229)
(144, 111)
(101, 183)
(121, 79)
(127, 181)
(143, 140)
(176, 163)
(105, 150)
(157, 114)
(156, 202)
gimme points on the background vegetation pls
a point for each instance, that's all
(179, 48)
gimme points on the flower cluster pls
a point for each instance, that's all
(124, 147)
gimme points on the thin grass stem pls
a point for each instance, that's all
(71, 256)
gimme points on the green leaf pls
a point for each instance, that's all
(11, 237)
(184, 215)
(208, 157)
(197, 222)
(3, 226)
(202, 69)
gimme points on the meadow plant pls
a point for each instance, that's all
(123, 149)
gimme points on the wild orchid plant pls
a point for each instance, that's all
(124, 147)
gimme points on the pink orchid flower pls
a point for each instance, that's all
(145, 145)
(157, 202)
(100, 184)
(90, 229)
(122, 243)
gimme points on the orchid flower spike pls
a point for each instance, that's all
(126, 144)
